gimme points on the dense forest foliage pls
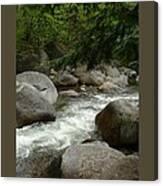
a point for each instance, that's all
(77, 33)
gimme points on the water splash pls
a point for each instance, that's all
(73, 125)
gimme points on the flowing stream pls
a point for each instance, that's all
(75, 123)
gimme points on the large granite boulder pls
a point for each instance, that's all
(39, 163)
(31, 106)
(41, 82)
(118, 122)
(97, 160)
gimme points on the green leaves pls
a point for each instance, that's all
(95, 32)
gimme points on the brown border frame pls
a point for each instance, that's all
(8, 104)
(148, 90)
(148, 66)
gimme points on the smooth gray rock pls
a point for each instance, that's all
(41, 82)
(97, 160)
(31, 106)
(118, 123)
(40, 163)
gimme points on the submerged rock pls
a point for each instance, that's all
(31, 106)
(41, 82)
(118, 123)
(97, 160)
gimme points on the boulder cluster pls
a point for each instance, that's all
(104, 77)
(117, 125)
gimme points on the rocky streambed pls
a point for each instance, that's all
(39, 146)
(88, 131)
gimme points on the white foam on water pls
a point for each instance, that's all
(72, 125)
